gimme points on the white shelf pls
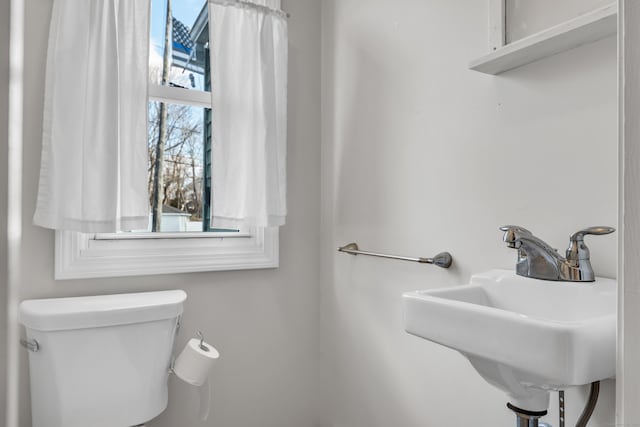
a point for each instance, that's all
(586, 28)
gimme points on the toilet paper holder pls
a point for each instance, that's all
(201, 345)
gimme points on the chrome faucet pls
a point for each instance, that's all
(538, 260)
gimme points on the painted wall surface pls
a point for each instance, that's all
(526, 17)
(264, 322)
(4, 100)
(421, 155)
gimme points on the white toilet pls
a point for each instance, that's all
(100, 361)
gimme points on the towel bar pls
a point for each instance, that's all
(443, 259)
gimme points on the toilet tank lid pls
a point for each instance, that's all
(104, 310)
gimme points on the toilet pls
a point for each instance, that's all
(100, 361)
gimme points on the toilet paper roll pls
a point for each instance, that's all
(192, 366)
(193, 363)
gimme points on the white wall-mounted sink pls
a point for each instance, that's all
(525, 336)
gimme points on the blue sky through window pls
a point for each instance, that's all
(186, 11)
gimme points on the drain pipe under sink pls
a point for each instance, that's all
(526, 418)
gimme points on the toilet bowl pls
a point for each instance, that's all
(100, 361)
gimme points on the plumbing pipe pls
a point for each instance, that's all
(590, 406)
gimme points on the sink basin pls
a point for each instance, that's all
(524, 336)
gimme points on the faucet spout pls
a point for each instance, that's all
(511, 233)
(537, 259)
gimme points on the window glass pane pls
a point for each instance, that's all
(188, 35)
(182, 164)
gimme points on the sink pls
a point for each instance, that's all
(525, 336)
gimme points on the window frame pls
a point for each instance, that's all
(80, 255)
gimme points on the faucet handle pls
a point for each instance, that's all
(596, 231)
(510, 234)
(577, 250)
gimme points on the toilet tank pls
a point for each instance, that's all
(102, 361)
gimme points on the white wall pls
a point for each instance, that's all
(264, 322)
(524, 17)
(4, 98)
(421, 155)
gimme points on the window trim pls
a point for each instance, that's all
(82, 256)
(170, 235)
(178, 95)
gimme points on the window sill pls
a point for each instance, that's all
(81, 256)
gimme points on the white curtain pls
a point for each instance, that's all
(248, 46)
(93, 175)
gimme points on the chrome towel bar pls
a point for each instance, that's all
(443, 259)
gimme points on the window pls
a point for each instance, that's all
(179, 237)
(179, 125)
